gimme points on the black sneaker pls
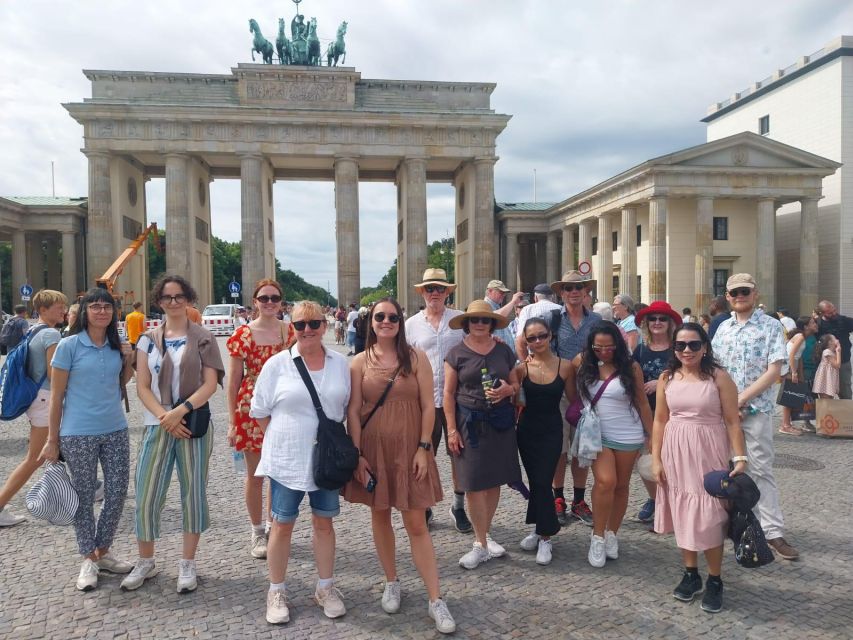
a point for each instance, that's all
(460, 520)
(712, 601)
(689, 587)
(428, 517)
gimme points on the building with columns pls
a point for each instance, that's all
(47, 237)
(676, 227)
(262, 123)
(808, 104)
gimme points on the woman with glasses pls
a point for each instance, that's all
(177, 369)
(479, 386)
(250, 346)
(696, 426)
(545, 379)
(658, 323)
(87, 424)
(396, 469)
(606, 365)
(283, 408)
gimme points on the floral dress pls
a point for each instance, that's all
(249, 436)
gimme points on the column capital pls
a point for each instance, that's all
(249, 155)
(765, 200)
(659, 197)
(630, 207)
(177, 154)
(96, 153)
(810, 199)
(413, 159)
(485, 160)
(347, 158)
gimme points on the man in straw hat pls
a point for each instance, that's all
(570, 326)
(429, 330)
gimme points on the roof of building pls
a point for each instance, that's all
(523, 206)
(47, 201)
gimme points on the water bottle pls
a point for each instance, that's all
(487, 381)
(521, 397)
(239, 461)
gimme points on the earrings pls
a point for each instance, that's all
(600, 363)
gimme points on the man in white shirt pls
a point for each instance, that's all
(543, 305)
(429, 331)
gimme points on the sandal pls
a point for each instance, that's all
(789, 430)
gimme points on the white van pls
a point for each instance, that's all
(220, 319)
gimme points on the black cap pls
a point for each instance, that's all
(543, 288)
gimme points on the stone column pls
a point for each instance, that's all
(416, 221)
(19, 265)
(604, 272)
(511, 280)
(551, 261)
(628, 254)
(483, 231)
(252, 223)
(35, 261)
(179, 232)
(704, 276)
(657, 248)
(100, 230)
(765, 253)
(346, 208)
(52, 255)
(584, 242)
(69, 265)
(808, 255)
(568, 250)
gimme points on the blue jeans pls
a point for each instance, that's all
(285, 502)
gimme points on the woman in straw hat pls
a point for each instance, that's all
(478, 390)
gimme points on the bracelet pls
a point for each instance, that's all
(451, 433)
(740, 459)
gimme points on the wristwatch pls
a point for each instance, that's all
(426, 446)
(188, 405)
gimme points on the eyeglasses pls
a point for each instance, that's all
(266, 299)
(743, 291)
(692, 345)
(299, 325)
(101, 308)
(573, 287)
(479, 320)
(179, 299)
(542, 337)
(393, 318)
(603, 349)
(658, 318)
(435, 288)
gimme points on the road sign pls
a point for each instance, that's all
(585, 268)
(235, 294)
(25, 298)
(235, 288)
(26, 291)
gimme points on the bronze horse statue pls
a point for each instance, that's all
(313, 44)
(282, 45)
(259, 43)
(337, 49)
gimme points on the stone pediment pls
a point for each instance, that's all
(746, 150)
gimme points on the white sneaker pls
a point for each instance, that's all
(530, 542)
(99, 491)
(391, 597)
(611, 545)
(9, 520)
(113, 565)
(543, 553)
(140, 573)
(331, 600)
(259, 546)
(187, 578)
(277, 611)
(596, 556)
(444, 622)
(88, 578)
(495, 550)
(475, 557)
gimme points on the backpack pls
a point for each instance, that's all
(13, 332)
(17, 389)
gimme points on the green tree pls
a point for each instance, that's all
(227, 264)
(441, 254)
(296, 288)
(156, 259)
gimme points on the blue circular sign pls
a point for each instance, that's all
(26, 290)
(234, 287)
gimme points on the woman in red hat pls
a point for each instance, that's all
(658, 323)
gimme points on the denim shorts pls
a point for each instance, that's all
(285, 502)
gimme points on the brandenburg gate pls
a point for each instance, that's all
(263, 123)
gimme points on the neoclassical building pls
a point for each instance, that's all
(676, 227)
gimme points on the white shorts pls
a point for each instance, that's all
(37, 413)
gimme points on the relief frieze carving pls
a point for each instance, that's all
(267, 91)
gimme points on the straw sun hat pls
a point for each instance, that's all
(480, 309)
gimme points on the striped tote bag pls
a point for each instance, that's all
(53, 497)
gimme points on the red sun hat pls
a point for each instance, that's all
(659, 307)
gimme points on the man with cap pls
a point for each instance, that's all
(429, 330)
(496, 292)
(751, 347)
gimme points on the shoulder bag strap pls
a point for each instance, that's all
(381, 400)
(306, 378)
(601, 390)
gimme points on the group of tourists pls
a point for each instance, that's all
(545, 386)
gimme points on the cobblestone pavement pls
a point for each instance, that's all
(511, 597)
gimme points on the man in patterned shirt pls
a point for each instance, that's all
(751, 347)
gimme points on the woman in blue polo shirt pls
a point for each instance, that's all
(87, 424)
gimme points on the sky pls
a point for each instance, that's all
(593, 88)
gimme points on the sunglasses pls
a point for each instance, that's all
(266, 299)
(299, 325)
(435, 288)
(692, 345)
(743, 291)
(542, 337)
(658, 318)
(180, 298)
(391, 317)
(600, 349)
(100, 308)
(479, 320)
(574, 287)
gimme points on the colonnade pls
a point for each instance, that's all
(36, 261)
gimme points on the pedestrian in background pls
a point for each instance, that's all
(134, 324)
(828, 353)
(840, 326)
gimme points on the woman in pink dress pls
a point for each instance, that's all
(829, 363)
(696, 426)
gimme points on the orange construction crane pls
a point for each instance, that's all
(108, 280)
